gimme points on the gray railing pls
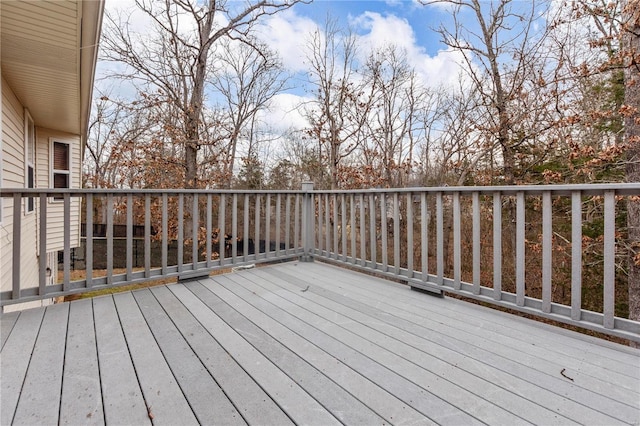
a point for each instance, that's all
(513, 247)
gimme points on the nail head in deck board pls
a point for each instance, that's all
(207, 400)
(249, 399)
(433, 356)
(335, 399)
(287, 394)
(14, 360)
(372, 395)
(408, 392)
(81, 401)
(464, 394)
(40, 396)
(160, 389)
(121, 394)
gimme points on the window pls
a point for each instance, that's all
(61, 170)
(30, 158)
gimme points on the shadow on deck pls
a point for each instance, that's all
(304, 343)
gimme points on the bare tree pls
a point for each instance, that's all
(175, 57)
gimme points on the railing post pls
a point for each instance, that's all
(307, 222)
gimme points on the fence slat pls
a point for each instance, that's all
(363, 232)
(209, 226)
(296, 223)
(547, 241)
(497, 245)
(475, 207)
(372, 231)
(180, 232)
(256, 235)
(267, 226)
(129, 250)
(245, 228)
(457, 245)
(520, 249)
(439, 239)
(147, 235)
(165, 232)
(326, 223)
(42, 246)
(424, 238)
(234, 229)
(221, 221)
(396, 233)
(609, 286)
(287, 224)
(67, 242)
(17, 239)
(576, 255)
(343, 224)
(410, 234)
(195, 228)
(110, 239)
(88, 256)
(335, 226)
(383, 232)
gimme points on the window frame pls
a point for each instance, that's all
(29, 161)
(53, 171)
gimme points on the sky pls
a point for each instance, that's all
(378, 23)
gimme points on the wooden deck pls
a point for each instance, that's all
(304, 343)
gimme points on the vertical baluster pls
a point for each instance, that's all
(42, 246)
(343, 224)
(67, 242)
(320, 220)
(424, 237)
(352, 227)
(165, 232)
(547, 240)
(457, 243)
(296, 222)
(327, 219)
(410, 234)
(383, 231)
(278, 223)
(195, 227)
(245, 229)
(88, 263)
(396, 234)
(129, 250)
(363, 229)
(267, 225)
(497, 246)
(287, 224)
(576, 255)
(520, 249)
(256, 237)
(609, 259)
(372, 231)
(110, 239)
(209, 225)
(17, 239)
(221, 220)
(476, 242)
(180, 231)
(335, 225)
(440, 239)
(147, 235)
(234, 229)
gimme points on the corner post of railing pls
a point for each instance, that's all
(307, 222)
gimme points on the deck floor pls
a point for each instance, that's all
(304, 343)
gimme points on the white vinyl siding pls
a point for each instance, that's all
(29, 159)
(13, 176)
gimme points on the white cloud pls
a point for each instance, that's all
(286, 112)
(287, 33)
(378, 31)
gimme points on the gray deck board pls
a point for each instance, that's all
(40, 395)
(14, 361)
(6, 325)
(484, 375)
(81, 401)
(304, 343)
(585, 368)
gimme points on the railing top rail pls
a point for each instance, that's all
(6, 192)
(632, 188)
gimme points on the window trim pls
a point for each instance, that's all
(29, 202)
(52, 171)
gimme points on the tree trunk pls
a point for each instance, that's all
(632, 138)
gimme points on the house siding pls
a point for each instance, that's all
(13, 172)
